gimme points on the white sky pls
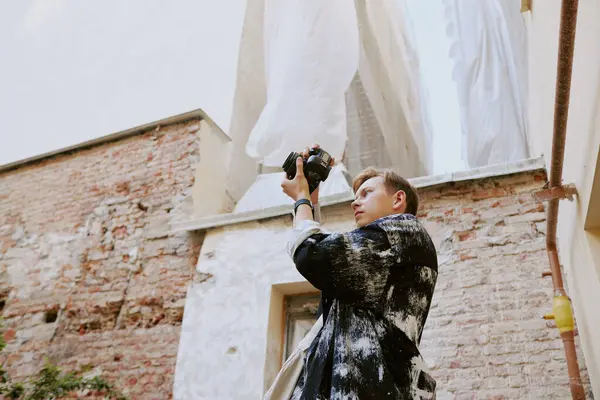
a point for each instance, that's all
(72, 71)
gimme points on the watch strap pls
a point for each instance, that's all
(298, 203)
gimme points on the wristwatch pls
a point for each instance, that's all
(298, 203)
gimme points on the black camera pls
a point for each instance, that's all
(316, 168)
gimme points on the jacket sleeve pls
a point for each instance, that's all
(356, 266)
(352, 266)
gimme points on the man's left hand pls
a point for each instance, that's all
(296, 188)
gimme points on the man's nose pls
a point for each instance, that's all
(354, 204)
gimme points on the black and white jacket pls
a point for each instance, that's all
(376, 282)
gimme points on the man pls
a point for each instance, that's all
(376, 284)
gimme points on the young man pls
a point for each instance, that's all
(376, 283)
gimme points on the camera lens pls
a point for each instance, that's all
(289, 166)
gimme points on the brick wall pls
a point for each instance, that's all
(88, 274)
(485, 337)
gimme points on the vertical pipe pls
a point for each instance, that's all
(567, 334)
(568, 23)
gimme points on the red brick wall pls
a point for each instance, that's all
(85, 234)
(485, 337)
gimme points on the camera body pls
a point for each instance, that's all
(316, 167)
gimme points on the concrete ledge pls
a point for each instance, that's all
(266, 192)
(176, 119)
(215, 221)
(490, 171)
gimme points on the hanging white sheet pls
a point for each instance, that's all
(389, 70)
(489, 49)
(311, 55)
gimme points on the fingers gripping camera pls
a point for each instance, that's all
(316, 167)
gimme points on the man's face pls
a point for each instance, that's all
(372, 201)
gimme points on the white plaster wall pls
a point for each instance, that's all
(249, 98)
(266, 191)
(577, 246)
(226, 317)
(210, 195)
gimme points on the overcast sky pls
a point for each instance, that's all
(76, 70)
(72, 71)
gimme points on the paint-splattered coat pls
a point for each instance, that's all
(376, 283)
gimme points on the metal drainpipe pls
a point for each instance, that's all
(562, 306)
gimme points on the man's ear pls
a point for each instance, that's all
(399, 201)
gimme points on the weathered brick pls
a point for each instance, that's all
(490, 298)
(77, 232)
(83, 233)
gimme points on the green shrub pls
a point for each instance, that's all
(52, 383)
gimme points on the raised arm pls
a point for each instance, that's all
(356, 266)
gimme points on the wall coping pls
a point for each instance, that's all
(176, 119)
(490, 171)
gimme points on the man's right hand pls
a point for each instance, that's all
(314, 196)
(297, 187)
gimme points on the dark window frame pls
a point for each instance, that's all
(300, 307)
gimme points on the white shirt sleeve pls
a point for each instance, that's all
(302, 230)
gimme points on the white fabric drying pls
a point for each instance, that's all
(311, 55)
(389, 70)
(334, 72)
(489, 50)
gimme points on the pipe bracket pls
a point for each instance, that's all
(556, 192)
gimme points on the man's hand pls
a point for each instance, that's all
(296, 188)
(314, 196)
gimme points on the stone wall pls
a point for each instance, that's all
(88, 274)
(485, 337)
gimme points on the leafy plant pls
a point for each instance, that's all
(52, 383)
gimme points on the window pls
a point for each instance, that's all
(293, 310)
(300, 316)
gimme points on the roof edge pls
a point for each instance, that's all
(490, 171)
(175, 119)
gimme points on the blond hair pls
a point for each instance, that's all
(393, 182)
